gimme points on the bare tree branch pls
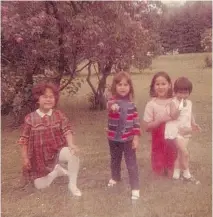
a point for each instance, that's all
(83, 67)
(96, 72)
(72, 76)
(88, 79)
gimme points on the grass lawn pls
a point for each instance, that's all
(160, 197)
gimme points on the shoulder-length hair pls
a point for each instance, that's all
(167, 77)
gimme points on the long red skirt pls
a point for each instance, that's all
(164, 152)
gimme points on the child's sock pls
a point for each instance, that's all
(46, 181)
(187, 174)
(135, 194)
(60, 170)
(176, 174)
(43, 182)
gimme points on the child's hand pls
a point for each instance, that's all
(185, 131)
(135, 142)
(115, 107)
(196, 128)
(181, 105)
(163, 119)
(184, 103)
(27, 164)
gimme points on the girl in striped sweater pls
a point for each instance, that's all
(123, 131)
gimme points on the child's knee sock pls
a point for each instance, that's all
(73, 168)
(45, 181)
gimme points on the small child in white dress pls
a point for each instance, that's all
(181, 126)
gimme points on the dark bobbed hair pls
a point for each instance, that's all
(39, 89)
(183, 84)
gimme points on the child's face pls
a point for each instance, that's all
(123, 88)
(161, 87)
(46, 101)
(183, 94)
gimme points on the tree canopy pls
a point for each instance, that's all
(58, 39)
(55, 39)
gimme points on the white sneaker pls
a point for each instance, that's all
(135, 194)
(74, 190)
(187, 174)
(176, 174)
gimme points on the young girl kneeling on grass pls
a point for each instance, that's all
(123, 131)
(47, 141)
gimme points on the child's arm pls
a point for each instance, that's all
(136, 128)
(23, 141)
(69, 138)
(26, 161)
(185, 131)
(174, 111)
(149, 126)
(195, 126)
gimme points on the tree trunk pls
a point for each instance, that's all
(61, 62)
(100, 99)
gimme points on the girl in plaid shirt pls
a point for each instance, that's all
(123, 131)
(47, 141)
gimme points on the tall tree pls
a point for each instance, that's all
(58, 37)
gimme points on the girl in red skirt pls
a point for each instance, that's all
(163, 153)
(47, 141)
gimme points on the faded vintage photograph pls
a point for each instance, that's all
(106, 108)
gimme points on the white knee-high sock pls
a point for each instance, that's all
(73, 168)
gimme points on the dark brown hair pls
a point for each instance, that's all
(117, 79)
(182, 84)
(164, 75)
(40, 88)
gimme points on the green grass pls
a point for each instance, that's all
(160, 197)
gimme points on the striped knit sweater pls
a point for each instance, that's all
(124, 124)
